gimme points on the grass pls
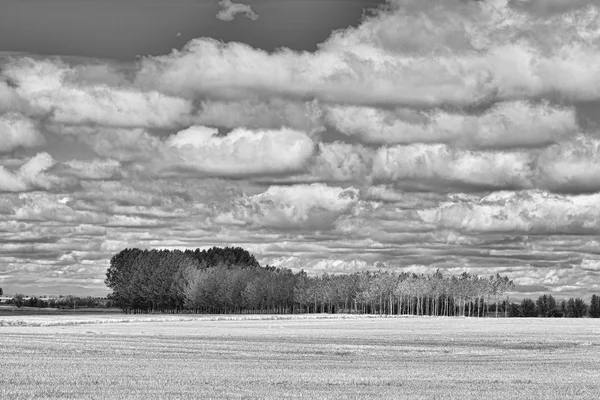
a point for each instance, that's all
(173, 357)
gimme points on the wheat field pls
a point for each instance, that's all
(332, 357)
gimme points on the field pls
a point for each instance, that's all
(171, 357)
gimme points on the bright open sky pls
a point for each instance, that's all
(458, 135)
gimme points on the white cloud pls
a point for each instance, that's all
(440, 166)
(30, 176)
(505, 125)
(319, 265)
(40, 206)
(242, 152)
(17, 131)
(314, 206)
(520, 212)
(229, 10)
(572, 166)
(590, 265)
(71, 97)
(470, 53)
(9, 99)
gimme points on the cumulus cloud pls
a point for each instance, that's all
(571, 166)
(242, 152)
(30, 176)
(17, 131)
(432, 167)
(314, 206)
(52, 87)
(505, 125)
(319, 266)
(10, 101)
(40, 206)
(229, 10)
(535, 212)
(567, 166)
(468, 53)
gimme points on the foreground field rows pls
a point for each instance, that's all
(442, 358)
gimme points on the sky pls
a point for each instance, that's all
(325, 135)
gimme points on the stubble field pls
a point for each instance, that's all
(174, 357)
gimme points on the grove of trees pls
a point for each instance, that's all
(230, 280)
(546, 306)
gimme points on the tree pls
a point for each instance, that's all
(514, 310)
(576, 308)
(19, 300)
(528, 308)
(594, 306)
(1, 291)
(581, 308)
(546, 307)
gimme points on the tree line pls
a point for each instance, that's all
(230, 280)
(64, 302)
(546, 306)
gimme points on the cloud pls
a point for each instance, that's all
(91, 170)
(124, 145)
(72, 95)
(590, 265)
(17, 131)
(229, 10)
(271, 114)
(571, 166)
(319, 266)
(440, 167)
(314, 206)
(10, 101)
(242, 152)
(40, 206)
(467, 54)
(342, 162)
(30, 176)
(544, 8)
(532, 212)
(504, 125)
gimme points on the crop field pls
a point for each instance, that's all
(187, 356)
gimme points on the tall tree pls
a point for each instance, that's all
(546, 306)
(595, 307)
(576, 308)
